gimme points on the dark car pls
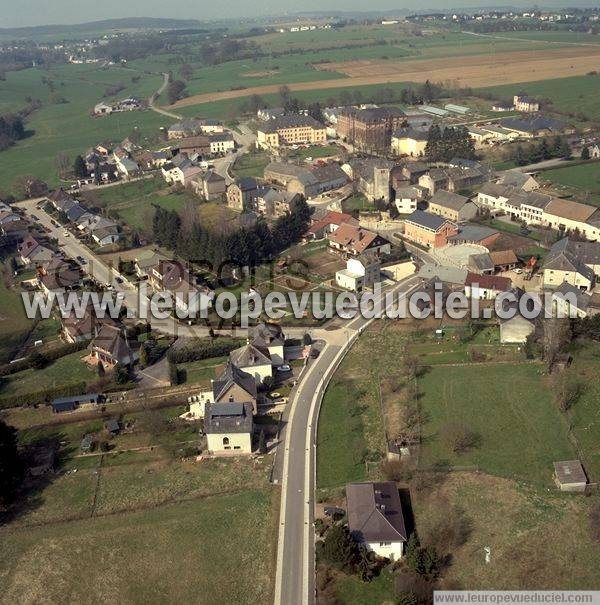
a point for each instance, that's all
(314, 353)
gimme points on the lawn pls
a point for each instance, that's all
(67, 370)
(314, 152)
(583, 180)
(508, 406)
(357, 202)
(14, 325)
(201, 372)
(251, 164)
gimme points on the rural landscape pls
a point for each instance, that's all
(200, 436)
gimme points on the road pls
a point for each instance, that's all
(295, 464)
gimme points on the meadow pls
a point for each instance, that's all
(580, 180)
(68, 128)
(14, 325)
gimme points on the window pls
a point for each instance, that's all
(225, 440)
(385, 544)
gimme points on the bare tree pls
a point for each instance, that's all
(460, 437)
(556, 333)
(566, 389)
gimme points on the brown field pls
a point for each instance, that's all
(475, 71)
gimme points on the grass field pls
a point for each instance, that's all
(68, 128)
(14, 325)
(66, 370)
(508, 406)
(251, 164)
(573, 95)
(582, 180)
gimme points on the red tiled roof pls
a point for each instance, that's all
(489, 282)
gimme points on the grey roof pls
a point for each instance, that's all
(246, 183)
(228, 418)
(113, 425)
(266, 335)
(569, 471)
(450, 200)
(290, 121)
(375, 512)
(417, 134)
(426, 219)
(582, 299)
(230, 376)
(515, 178)
(568, 255)
(533, 124)
(481, 262)
(249, 355)
(85, 398)
(373, 114)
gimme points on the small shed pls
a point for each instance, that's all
(569, 476)
(113, 426)
(68, 404)
(87, 443)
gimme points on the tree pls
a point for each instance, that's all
(262, 443)
(556, 333)
(101, 370)
(37, 360)
(122, 374)
(364, 567)
(459, 437)
(585, 153)
(339, 548)
(186, 71)
(413, 552)
(175, 91)
(11, 465)
(61, 161)
(173, 373)
(79, 167)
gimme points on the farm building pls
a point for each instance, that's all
(460, 109)
(436, 111)
(68, 404)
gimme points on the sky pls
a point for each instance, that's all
(19, 13)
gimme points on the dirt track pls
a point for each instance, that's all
(475, 71)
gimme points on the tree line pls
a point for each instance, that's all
(444, 145)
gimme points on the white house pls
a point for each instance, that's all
(253, 360)
(360, 273)
(375, 518)
(228, 428)
(486, 287)
(407, 199)
(269, 336)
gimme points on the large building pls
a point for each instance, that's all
(369, 129)
(410, 141)
(522, 102)
(309, 181)
(428, 229)
(572, 262)
(452, 206)
(290, 130)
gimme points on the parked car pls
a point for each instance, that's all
(314, 353)
(284, 368)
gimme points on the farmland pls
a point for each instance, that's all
(14, 325)
(580, 180)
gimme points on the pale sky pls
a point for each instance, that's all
(17, 13)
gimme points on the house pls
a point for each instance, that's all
(434, 180)
(353, 241)
(523, 102)
(519, 180)
(85, 327)
(269, 336)
(210, 125)
(113, 426)
(184, 129)
(58, 276)
(594, 151)
(481, 264)
(31, 252)
(14, 231)
(270, 113)
(228, 427)
(290, 130)
(220, 143)
(8, 216)
(486, 287)
(209, 185)
(273, 203)
(428, 229)
(234, 384)
(105, 235)
(573, 262)
(504, 260)
(146, 260)
(516, 329)
(455, 277)
(199, 145)
(410, 141)
(309, 181)
(478, 135)
(241, 192)
(497, 133)
(253, 360)
(328, 223)
(569, 301)
(171, 276)
(474, 234)
(501, 106)
(361, 272)
(569, 476)
(534, 126)
(375, 518)
(454, 207)
(567, 216)
(407, 198)
(127, 167)
(111, 347)
(102, 109)
(69, 404)
(87, 443)
(408, 173)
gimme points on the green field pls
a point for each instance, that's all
(64, 371)
(583, 180)
(141, 522)
(572, 96)
(14, 325)
(508, 406)
(68, 128)
(251, 164)
(134, 202)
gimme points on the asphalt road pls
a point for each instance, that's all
(295, 464)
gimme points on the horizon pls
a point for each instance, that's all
(34, 13)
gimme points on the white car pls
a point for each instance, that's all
(284, 368)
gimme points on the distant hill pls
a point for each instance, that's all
(100, 26)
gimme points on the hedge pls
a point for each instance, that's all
(201, 349)
(51, 355)
(13, 401)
